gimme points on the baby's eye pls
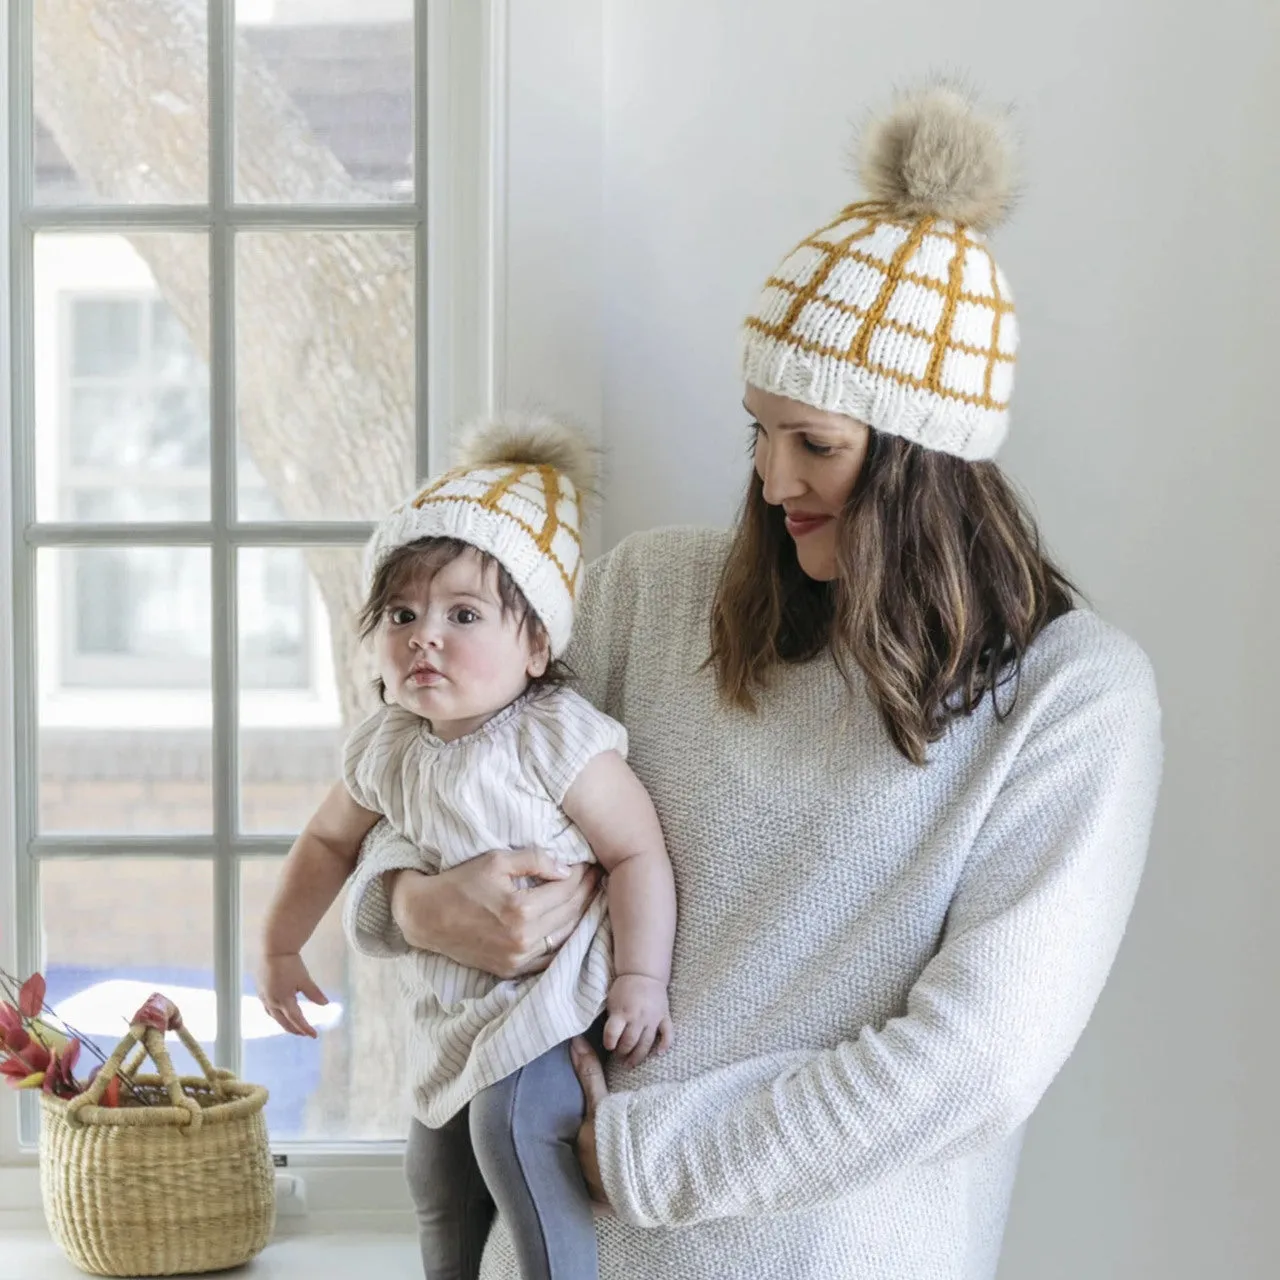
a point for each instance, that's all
(399, 616)
(465, 616)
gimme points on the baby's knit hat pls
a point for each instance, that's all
(895, 312)
(516, 493)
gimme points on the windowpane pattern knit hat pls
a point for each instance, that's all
(516, 494)
(895, 312)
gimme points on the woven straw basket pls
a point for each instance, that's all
(145, 1189)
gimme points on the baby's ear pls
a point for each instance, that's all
(539, 660)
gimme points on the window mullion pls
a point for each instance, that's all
(22, 374)
(196, 533)
(44, 848)
(22, 412)
(282, 217)
(421, 245)
(222, 468)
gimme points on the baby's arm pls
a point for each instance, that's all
(613, 811)
(314, 872)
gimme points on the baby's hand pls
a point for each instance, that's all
(639, 1019)
(280, 978)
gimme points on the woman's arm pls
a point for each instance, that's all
(1031, 934)
(478, 914)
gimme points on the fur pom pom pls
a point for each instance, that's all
(937, 153)
(533, 439)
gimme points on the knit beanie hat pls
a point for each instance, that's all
(516, 494)
(895, 312)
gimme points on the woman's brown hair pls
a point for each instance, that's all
(941, 587)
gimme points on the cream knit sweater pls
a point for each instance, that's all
(878, 968)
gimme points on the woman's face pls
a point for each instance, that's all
(809, 461)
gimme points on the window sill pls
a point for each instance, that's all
(326, 1246)
(310, 1200)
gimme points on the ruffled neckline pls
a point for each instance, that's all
(495, 722)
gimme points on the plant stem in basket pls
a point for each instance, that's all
(10, 989)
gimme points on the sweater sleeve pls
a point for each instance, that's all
(1030, 936)
(597, 647)
(366, 910)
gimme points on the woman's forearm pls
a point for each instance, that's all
(413, 899)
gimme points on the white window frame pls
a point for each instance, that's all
(458, 219)
(77, 671)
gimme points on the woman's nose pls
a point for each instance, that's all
(778, 472)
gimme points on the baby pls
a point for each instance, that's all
(481, 745)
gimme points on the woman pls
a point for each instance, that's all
(906, 784)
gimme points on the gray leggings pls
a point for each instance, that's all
(513, 1146)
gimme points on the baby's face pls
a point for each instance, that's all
(446, 651)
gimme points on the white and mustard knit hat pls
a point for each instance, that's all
(895, 312)
(516, 493)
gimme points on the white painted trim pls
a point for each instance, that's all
(390, 1222)
(8, 860)
(497, 99)
(351, 1194)
(466, 214)
(20, 1185)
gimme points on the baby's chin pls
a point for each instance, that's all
(421, 701)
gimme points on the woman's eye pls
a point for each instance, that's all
(465, 616)
(818, 450)
(754, 432)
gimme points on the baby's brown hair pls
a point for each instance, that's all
(425, 557)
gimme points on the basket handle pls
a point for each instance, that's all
(161, 1013)
(158, 1015)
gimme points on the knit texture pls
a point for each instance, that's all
(878, 968)
(895, 312)
(497, 788)
(525, 513)
(907, 325)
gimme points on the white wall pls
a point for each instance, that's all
(1146, 262)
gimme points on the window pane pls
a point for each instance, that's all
(122, 384)
(124, 705)
(347, 1085)
(325, 370)
(115, 930)
(121, 103)
(255, 500)
(324, 101)
(106, 337)
(297, 607)
(274, 624)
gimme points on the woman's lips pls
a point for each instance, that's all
(801, 524)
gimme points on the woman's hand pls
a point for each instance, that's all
(480, 914)
(591, 1077)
